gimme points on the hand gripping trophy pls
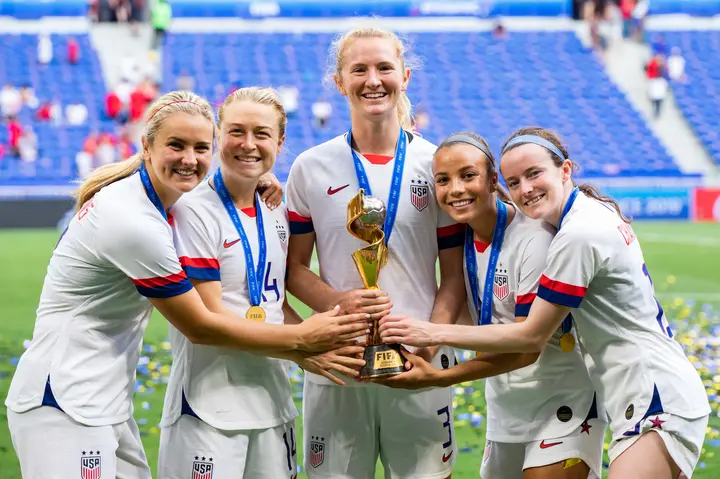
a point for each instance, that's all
(365, 218)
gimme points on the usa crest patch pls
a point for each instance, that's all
(501, 289)
(317, 451)
(90, 465)
(281, 231)
(202, 468)
(419, 193)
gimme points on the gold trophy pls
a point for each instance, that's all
(365, 218)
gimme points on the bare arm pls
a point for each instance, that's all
(422, 374)
(451, 296)
(302, 282)
(192, 318)
(529, 336)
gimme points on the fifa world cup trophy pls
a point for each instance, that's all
(365, 219)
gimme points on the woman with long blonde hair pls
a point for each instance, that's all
(73, 386)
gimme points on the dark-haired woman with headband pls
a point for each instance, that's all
(654, 397)
(542, 418)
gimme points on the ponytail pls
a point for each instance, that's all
(592, 192)
(106, 175)
(404, 109)
(503, 194)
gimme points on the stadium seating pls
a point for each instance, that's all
(57, 81)
(699, 98)
(468, 81)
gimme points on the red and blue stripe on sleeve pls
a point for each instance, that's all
(561, 293)
(523, 303)
(300, 224)
(451, 236)
(204, 269)
(163, 286)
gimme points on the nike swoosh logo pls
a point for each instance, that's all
(332, 192)
(229, 244)
(550, 444)
(446, 457)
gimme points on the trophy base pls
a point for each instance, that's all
(382, 360)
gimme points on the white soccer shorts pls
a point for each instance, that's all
(346, 428)
(503, 460)
(50, 444)
(683, 439)
(192, 448)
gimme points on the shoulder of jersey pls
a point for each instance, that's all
(196, 199)
(124, 206)
(324, 152)
(531, 228)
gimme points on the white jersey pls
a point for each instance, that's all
(93, 312)
(229, 389)
(553, 396)
(596, 266)
(322, 181)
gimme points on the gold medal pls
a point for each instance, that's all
(256, 313)
(567, 342)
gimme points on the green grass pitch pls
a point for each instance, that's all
(683, 258)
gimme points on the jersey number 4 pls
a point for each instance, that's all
(270, 287)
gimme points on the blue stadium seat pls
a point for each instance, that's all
(699, 98)
(60, 81)
(468, 81)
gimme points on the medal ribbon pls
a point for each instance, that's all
(485, 309)
(150, 191)
(395, 184)
(254, 276)
(567, 322)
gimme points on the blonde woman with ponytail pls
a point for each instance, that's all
(73, 386)
(381, 155)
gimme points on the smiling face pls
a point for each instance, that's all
(181, 152)
(535, 182)
(373, 76)
(249, 138)
(462, 186)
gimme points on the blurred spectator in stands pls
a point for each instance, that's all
(28, 145)
(185, 82)
(94, 10)
(85, 160)
(14, 133)
(149, 88)
(657, 84)
(138, 103)
(322, 111)
(499, 31)
(628, 24)
(130, 70)
(421, 120)
(10, 101)
(289, 97)
(113, 106)
(106, 152)
(76, 114)
(27, 93)
(659, 47)
(73, 51)
(44, 48)
(639, 15)
(126, 146)
(120, 9)
(676, 65)
(49, 111)
(160, 15)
